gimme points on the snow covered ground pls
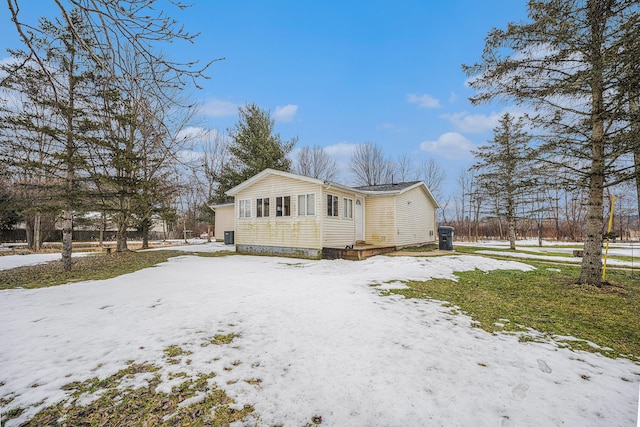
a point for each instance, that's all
(13, 261)
(500, 248)
(322, 341)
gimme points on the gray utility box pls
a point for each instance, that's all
(445, 238)
(229, 237)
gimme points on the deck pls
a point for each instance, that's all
(356, 252)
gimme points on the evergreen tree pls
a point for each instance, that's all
(59, 121)
(253, 148)
(568, 63)
(503, 168)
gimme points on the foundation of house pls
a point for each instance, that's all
(357, 252)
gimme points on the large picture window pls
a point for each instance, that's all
(283, 206)
(307, 204)
(244, 208)
(262, 207)
(332, 205)
(347, 207)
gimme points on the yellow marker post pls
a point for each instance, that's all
(606, 252)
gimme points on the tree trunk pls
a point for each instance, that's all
(208, 233)
(145, 233)
(67, 238)
(103, 226)
(37, 233)
(591, 272)
(184, 230)
(121, 235)
(634, 107)
(512, 227)
(29, 232)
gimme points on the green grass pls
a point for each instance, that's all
(92, 267)
(114, 405)
(547, 301)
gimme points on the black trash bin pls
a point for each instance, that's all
(228, 237)
(445, 238)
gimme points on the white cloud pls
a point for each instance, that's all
(341, 149)
(478, 123)
(218, 108)
(453, 98)
(424, 101)
(191, 132)
(286, 113)
(450, 145)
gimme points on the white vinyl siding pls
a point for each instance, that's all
(291, 231)
(415, 218)
(224, 220)
(336, 233)
(380, 220)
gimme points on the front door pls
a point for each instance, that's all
(358, 217)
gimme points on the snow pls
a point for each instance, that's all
(13, 261)
(321, 339)
(195, 245)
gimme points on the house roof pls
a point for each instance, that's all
(368, 190)
(388, 187)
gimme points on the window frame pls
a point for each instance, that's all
(347, 208)
(244, 208)
(283, 209)
(303, 208)
(333, 206)
(262, 207)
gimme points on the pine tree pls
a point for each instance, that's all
(503, 166)
(253, 148)
(567, 63)
(59, 120)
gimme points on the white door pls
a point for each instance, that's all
(358, 217)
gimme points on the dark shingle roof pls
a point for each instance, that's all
(387, 187)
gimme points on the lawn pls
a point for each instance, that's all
(208, 340)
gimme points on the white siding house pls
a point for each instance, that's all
(282, 213)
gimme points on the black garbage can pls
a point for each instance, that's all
(228, 237)
(445, 238)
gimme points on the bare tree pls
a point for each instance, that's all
(406, 168)
(370, 166)
(433, 175)
(116, 28)
(315, 163)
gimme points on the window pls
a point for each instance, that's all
(244, 208)
(332, 205)
(283, 206)
(347, 207)
(262, 207)
(307, 204)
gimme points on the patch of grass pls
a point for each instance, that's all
(109, 404)
(214, 254)
(425, 248)
(92, 267)
(547, 301)
(220, 339)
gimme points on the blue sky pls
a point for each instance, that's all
(339, 73)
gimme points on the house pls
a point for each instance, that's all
(224, 220)
(283, 213)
